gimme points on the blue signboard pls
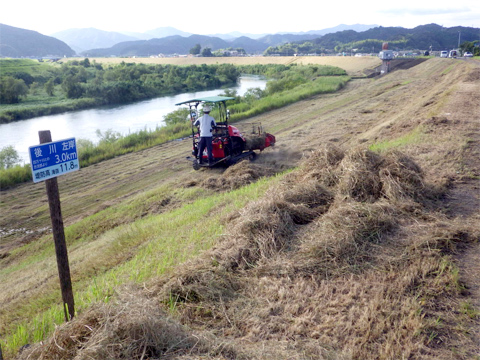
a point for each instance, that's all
(52, 159)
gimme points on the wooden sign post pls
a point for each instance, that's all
(59, 238)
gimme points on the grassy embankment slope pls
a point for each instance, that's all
(351, 255)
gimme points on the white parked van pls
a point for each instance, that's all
(452, 54)
(444, 54)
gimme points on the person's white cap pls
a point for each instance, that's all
(207, 108)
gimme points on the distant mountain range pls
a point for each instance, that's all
(177, 44)
(16, 42)
(84, 40)
(421, 37)
(90, 38)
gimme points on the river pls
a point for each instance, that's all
(124, 119)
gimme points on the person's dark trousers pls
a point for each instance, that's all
(205, 142)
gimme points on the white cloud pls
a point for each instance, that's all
(424, 11)
(250, 16)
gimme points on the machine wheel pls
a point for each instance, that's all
(196, 165)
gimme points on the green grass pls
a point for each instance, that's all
(413, 137)
(469, 310)
(321, 85)
(136, 250)
(15, 175)
(134, 142)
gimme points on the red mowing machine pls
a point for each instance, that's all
(229, 145)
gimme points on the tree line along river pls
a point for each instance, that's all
(124, 119)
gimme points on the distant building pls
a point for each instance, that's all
(386, 55)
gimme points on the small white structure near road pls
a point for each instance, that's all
(386, 56)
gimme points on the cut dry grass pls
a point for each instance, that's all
(132, 327)
(401, 177)
(320, 165)
(326, 259)
(236, 176)
(359, 177)
(348, 278)
(346, 239)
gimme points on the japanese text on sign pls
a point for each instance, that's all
(52, 159)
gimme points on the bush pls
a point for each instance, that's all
(11, 90)
(176, 117)
(8, 157)
(109, 136)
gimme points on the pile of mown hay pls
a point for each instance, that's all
(364, 176)
(359, 178)
(401, 178)
(321, 165)
(129, 327)
(265, 227)
(346, 239)
(237, 175)
(196, 281)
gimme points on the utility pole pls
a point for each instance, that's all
(459, 39)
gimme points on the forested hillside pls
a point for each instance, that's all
(16, 42)
(423, 37)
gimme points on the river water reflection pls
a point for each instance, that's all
(124, 119)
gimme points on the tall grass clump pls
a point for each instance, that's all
(15, 175)
(140, 140)
(278, 99)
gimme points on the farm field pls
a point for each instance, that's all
(352, 65)
(355, 237)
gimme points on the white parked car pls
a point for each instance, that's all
(468, 54)
(453, 54)
(444, 54)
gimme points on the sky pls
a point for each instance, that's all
(246, 16)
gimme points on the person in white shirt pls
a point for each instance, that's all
(207, 124)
